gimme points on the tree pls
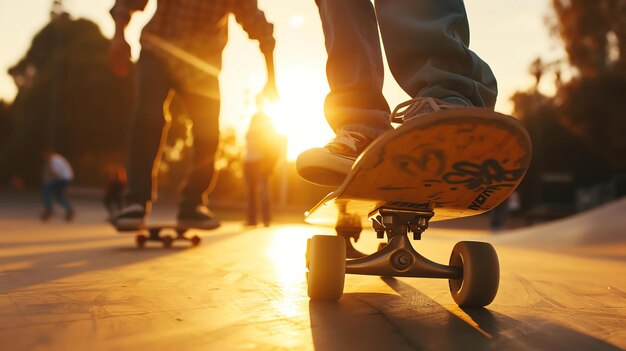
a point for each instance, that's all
(590, 104)
(594, 34)
(6, 123)
(68, 100)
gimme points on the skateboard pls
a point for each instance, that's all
(154, 234)
(444, 165)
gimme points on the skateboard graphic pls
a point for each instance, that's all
(154, 234)
(444, 165)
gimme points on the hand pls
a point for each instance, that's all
(119, 57)
(269, 92)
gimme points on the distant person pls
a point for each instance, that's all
(426, 43)
(114, 190)
(263, 145)
(503, 211)
(57, 175)
(181, 54)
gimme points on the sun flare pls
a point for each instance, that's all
(299, 112)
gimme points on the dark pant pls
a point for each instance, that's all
(55, 190)
(155, 86)
(257, 179)
(113, 200)
(426, 43)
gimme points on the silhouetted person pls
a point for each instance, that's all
(57, 175)
(182, 50)
(502, 212)
(114, 190)
(262, 152)
(426, 43)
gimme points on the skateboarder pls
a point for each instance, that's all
(182, 48)
(426, 43)
(57, 175)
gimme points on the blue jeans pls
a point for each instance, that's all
(55, 190)
(149, 131)
(426, 43)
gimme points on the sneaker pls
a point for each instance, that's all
(421, 106)
(199, 217)
(329, 165)
(45, 216)
(130, 217)
(69, 216)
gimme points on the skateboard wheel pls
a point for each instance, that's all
(327, 267)
(481, 274)
(140, 240)
(307, 255)
(195, 241)
(167, 241)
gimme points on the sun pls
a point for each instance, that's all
(299, 112)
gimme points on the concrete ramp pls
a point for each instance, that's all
(605, 225)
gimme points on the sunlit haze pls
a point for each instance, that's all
(508, 34)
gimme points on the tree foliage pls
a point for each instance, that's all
(594, 34)
(591, 105)
(69, 101)
(587, 112)
(6, 122)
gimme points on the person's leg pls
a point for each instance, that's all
(46, 197)
(264, 196)
(355, 107)
(60, 187)
(426, 43)
(148, 128)
(204, 113)
(354, 67)
(251, 180)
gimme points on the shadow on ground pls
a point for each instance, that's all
(20, 271)
(413, 321)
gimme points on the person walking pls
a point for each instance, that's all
(263, 149)
(57, 175)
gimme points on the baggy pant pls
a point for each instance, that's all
(149, 132)
(426, 43)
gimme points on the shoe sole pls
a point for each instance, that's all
(331, 172)
(205, 225)
(128, 224)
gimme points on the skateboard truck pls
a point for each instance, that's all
(387, 220)
(398, 258)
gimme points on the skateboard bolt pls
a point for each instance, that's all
(401, 260)
(404, 259)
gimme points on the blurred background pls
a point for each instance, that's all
(561, 67)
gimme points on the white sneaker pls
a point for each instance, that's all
(329, 165)
(130, 217)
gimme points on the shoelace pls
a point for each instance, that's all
(416, 107)
(348, 138)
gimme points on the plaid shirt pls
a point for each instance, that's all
(184, 31)
(201, 19)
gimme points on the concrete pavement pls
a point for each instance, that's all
(82, 286)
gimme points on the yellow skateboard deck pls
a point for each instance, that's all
(455, 163)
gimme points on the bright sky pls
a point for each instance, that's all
(508, 34)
